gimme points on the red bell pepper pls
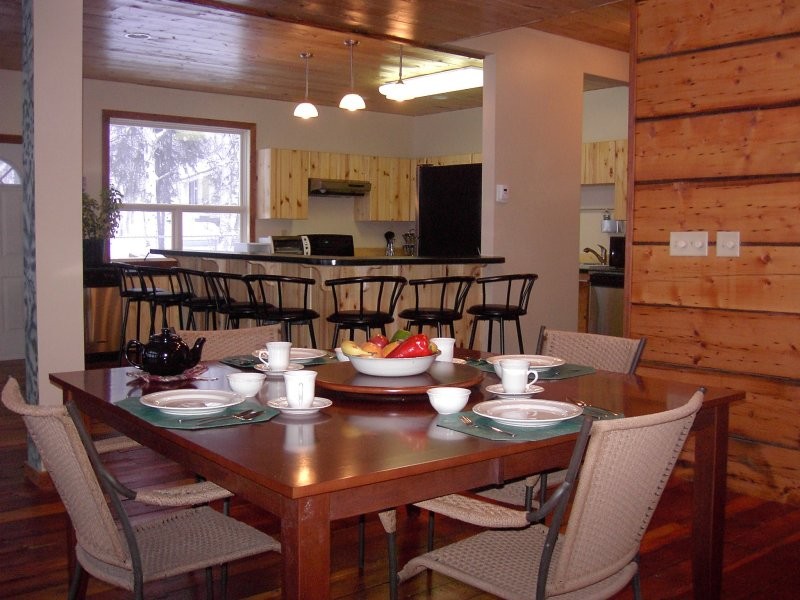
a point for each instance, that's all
(413, 346)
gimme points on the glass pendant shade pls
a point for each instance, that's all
(306, 110)
(398, 90)
(352, 101)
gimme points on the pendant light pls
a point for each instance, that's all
(352, 101)
(397, 90)
(306, 110)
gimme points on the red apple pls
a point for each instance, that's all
(379, 340)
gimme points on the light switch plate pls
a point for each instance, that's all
(727, 243)
(688, 243)
(503, 194)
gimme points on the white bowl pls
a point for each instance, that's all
(392, 367)
(247, 384)
(341, 356)
(448, 400)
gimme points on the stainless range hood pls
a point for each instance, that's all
(337, 187)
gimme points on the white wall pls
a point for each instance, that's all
(532, 135)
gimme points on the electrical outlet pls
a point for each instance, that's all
(727, 243)
(688, 243)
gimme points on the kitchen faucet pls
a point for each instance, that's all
(602, 256)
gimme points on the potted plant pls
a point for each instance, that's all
(100, 222)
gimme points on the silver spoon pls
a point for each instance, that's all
(594, 408)
(467, 421)
(245, 415)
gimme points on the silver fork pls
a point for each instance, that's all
(467, 421)
(245, 415)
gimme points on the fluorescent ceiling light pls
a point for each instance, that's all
(436, 83)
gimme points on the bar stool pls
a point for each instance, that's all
(131, 291)
(375, 298)
(164, 290)
(517, 294)
(270, 292)
(198, 297)
(452, 293)
(232, 297)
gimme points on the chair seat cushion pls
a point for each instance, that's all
(497, 311)
(289, 314)
(430, 315)
(354, 317)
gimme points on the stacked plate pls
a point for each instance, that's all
(185, 403)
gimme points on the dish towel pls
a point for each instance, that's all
(160, 419)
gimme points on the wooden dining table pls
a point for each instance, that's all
(366, 453)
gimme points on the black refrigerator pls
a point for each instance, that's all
(449, 210)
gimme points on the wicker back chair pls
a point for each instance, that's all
(230, 342)
(604, 352)
(112, 549)
(625, 469)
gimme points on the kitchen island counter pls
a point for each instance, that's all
(353, 261)
(322, 268)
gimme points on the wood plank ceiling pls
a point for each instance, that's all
(252, 47)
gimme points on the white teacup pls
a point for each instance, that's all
(300, 388)
(445, 346)
(515, 375)
(276, 355)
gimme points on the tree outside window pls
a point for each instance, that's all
(185, 185)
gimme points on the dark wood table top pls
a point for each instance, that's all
(355, 441)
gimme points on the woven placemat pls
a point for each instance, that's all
(247, 361)
(565, 371)
(521, 434)
(159, 419)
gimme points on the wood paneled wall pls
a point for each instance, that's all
(716, 147)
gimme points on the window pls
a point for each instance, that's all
(9, 175)
(185, 182)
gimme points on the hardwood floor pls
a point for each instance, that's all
(762, 541)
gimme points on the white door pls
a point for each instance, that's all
(12, 322)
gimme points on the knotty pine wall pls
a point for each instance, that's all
(716, 147)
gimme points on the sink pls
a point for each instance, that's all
(598, 267)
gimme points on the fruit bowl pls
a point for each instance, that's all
(392, 367)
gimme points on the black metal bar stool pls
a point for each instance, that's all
(452, 294)
(131, 291)
(364, 303)
(232, 297)
(164, 290)
(270, 294)
(517, 293)
(198, 298)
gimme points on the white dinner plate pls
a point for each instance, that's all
(538, 362)
(527, 413)
(265, 369)
(530, 390)
(283, 405)
(191, 402)
(301, 355)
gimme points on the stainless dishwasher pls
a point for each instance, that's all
(606, 302)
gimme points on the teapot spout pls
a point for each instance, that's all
(197, 350)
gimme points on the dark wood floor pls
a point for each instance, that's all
(762, 542)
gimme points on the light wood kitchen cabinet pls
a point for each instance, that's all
(328, 165)
(282, 190)
(390, 198)
(606, 163)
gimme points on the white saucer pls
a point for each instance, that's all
(530, 390)
(283, 405)
(265, 369)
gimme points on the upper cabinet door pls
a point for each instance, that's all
(282, 184)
